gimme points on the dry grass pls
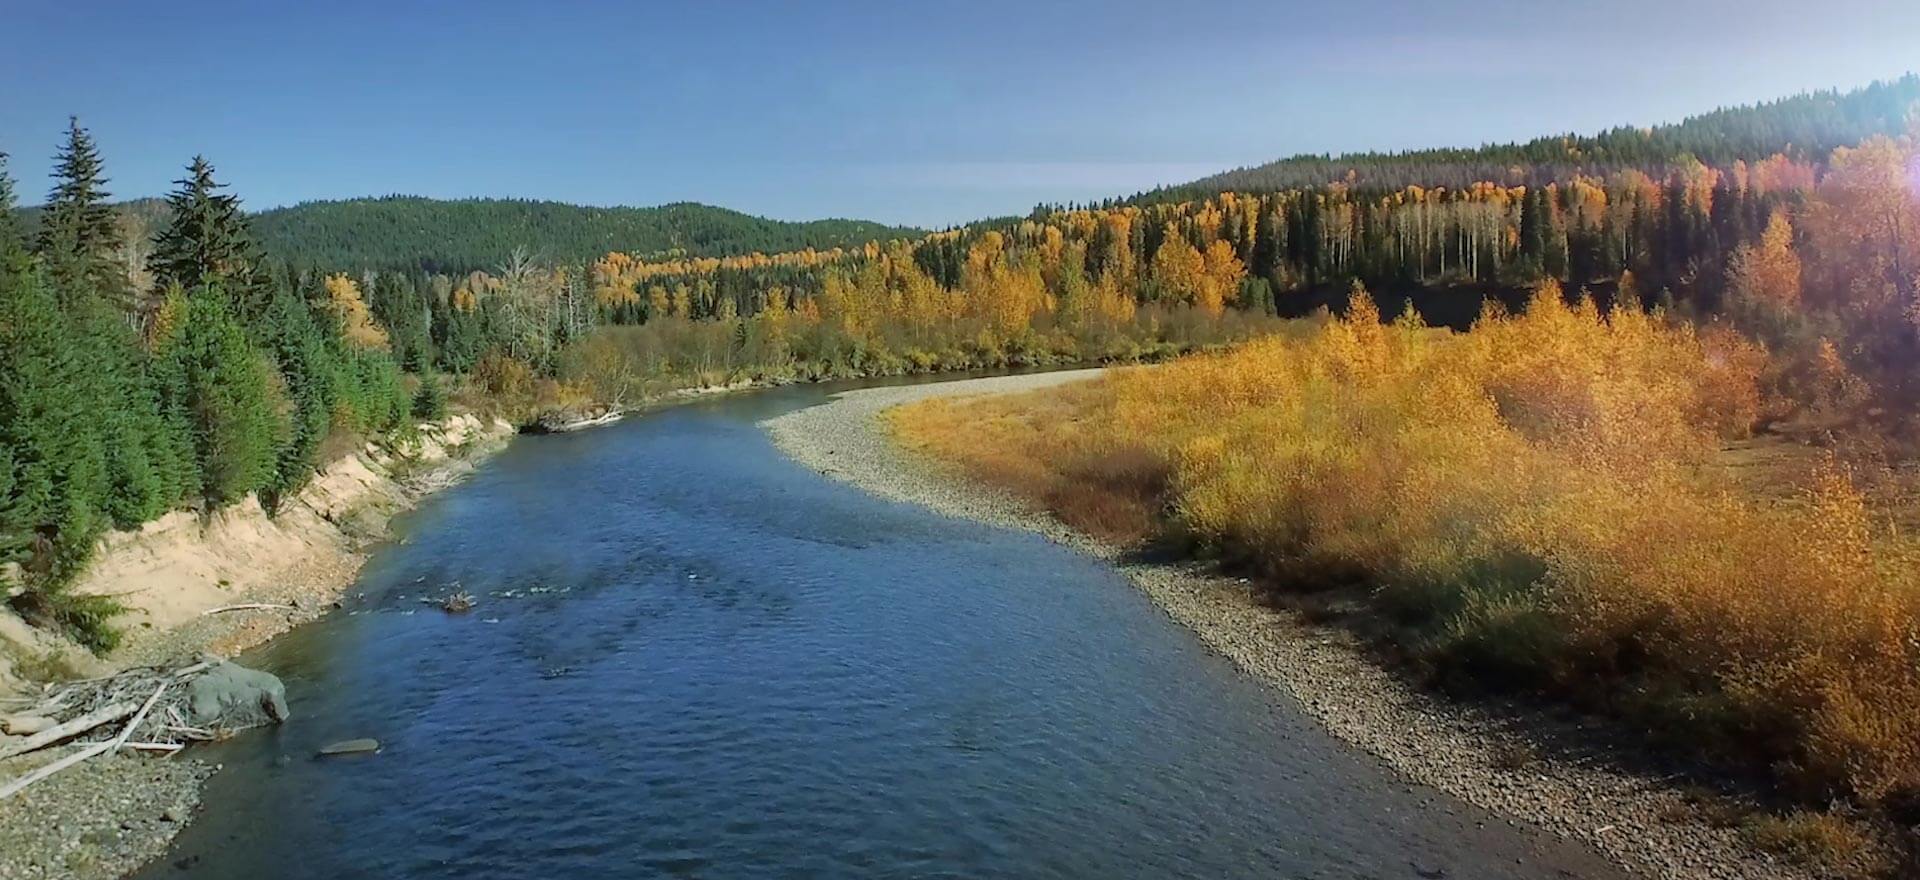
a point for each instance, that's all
(1819, 840)
(1050, 446)
(1539, 503)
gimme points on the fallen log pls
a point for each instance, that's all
(201, 666)
(14, 787)
(248, 606)
(70, 729)
(155, 747)
(141, 715)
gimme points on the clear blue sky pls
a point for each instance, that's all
(904, 111)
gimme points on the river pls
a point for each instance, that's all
(693, 657)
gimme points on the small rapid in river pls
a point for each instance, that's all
(692, 657)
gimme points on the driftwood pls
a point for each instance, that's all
(248, 606)
(583, 424)
(71, 729)
(148, 699)
(154, 746)
(195, 668)
(16, 786)
(141, 715)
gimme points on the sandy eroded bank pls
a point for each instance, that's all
(109, 815)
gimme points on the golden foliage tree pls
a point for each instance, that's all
(1768, 272)
(350, 309)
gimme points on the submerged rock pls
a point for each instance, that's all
(350, 747)
(230, 697)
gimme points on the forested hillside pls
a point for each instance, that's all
(1803, 127)
(432, 235)
(437, 235)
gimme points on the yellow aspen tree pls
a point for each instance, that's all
(1223, 272)
(356, 322)
(1178, 270)
(1768, 272)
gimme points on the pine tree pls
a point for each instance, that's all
(58, 483)
(299, 346)
(398, 306)
(148, 460)
(430, 401)
(461, 338)
(207, 240)
(55, 473)
(79, 232)
(214, 378)
(12, 240)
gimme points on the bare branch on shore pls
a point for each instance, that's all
(249, 606)
(71, 729)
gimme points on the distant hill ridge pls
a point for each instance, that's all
(409, 232)
(461, 235)
(1807, 126)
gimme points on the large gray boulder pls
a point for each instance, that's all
(231, 697)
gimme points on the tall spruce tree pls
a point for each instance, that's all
(298, 345)
(207, 240)
(79, 231)
(56, 474)
(211, 377)
(12, 240)
(56, 502)
(399, 307)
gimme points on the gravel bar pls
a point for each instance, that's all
(1512, 761)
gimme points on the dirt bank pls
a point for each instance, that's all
(1515, 762)
(112, 814)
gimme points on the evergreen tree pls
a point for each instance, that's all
(79, 232)
(12, 240)
(206, 241)
(1256, 295)
(399, 307)
(148, 460)
(55, 477)
(225, 390)
(299, 346)
(58, 478)
(461, 338)
(430, 402)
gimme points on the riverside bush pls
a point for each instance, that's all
(1534, 503)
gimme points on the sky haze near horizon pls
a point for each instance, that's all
(905, 113)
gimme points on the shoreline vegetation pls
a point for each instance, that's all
(1544, 506)
(1560, 772)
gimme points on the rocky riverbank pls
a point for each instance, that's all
(1550, 772)
(201, 585)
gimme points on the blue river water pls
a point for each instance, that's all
(694, 658)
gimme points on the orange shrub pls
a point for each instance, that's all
(1536, 501)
